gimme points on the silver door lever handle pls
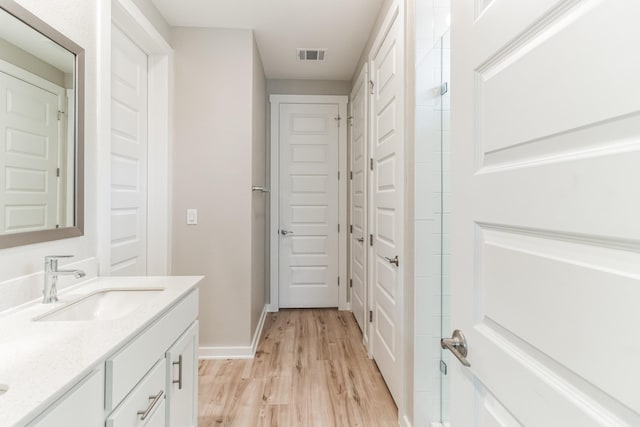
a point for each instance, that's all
(360, 239)
(285, 232)
(457, 345)
(393, 260)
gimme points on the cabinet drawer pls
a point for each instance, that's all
(148, 396)
(129, 365)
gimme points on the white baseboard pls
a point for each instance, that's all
(404, 422)
(236, 352)
(258, 333)
(272, 308)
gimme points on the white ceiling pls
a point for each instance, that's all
(281, 26)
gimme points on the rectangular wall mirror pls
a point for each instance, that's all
(41, 130)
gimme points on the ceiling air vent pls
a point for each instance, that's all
(313, 55)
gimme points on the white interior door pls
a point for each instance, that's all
(546, 224)
(358, 200)
(128, 157)
(308, 225)
(29, 143)
(387, 206)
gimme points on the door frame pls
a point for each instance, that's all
(274, 180)
(129, 18)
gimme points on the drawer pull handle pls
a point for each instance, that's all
(179, 380)
(154, 400)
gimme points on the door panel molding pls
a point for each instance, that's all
(276, 101)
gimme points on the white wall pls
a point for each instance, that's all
(21, 267)
(259, 200)
(213, 172)
(431, 114)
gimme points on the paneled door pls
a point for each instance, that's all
(358, 199)
(308, 188)
(546, 225)
(30, 147)
(387, 205)
(128, 157)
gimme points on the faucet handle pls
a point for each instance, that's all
(57, 256)
(51, 261)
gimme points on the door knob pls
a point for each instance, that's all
(393, 260)
(457, 345)
(285, 232)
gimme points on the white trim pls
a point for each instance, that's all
(435, 424)
(342, 102)
(236, 352)
(126, 15)
(404, 421)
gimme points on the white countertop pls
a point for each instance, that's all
(40, 361)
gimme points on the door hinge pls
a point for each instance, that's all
(443, 367)
(370, 239)
(60, 113)
(338, 175)
(58, 172)
(337, 119)
(370, 315)
(444, 88)
(371, 86)
(351, 283)
(351, 175)
(338, 280)
(351, 228)
(57, 225)
(338, 228)
(350, 120)
(371, 163)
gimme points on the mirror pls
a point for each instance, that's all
(41, 130)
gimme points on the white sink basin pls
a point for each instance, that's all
(107, 304)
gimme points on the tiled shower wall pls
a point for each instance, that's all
(432, 196)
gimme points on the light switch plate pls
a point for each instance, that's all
(192, 216)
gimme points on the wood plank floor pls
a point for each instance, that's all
(310, 369)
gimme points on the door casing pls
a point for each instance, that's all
(275, 101)
(130, 19)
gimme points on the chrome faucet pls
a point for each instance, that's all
(51, 273)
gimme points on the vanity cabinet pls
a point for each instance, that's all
(150, 381)
(157, 368)
(82, 406)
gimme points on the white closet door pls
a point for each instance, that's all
(546, 225)
(387, 207)
(309, 249)
(128, 157)
(29, 143)
(358, 200)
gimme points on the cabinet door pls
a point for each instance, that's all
(182, 378)
(83, 406)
